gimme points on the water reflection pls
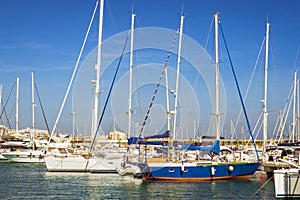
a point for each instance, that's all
(34, 182)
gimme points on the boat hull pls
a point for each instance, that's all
(66, 163)
(287, 183)
(199, 172)
(24, 157)
(103, 165)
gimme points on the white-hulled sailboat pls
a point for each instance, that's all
(60, 158)
(28, 153)
(106, 159)
(110, 157)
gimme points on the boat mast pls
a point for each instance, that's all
(216, 18)
(73, 123)
(1, 96)
(168, 108)
(73, 74)
(32, 100)
(265, 124)
(32, 109)
(130, 75)
(177, 76)
(167, 99)
(97, 70)
(297, 114)
(17, 107)
(294, 107)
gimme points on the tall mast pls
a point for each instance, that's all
(216, 17)
(168, 108)
(17, 107)
(73, 123)
(231, 130)
(167, 98)
(97, 69)
(177, 75)
(130, 74)
(32, 100)
(73, 74)
(294, 107)
(297, 113)
(32, 109)
(1, 97)
(265, 125)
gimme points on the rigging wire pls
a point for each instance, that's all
(4, 108)
(286, 110)
(257, 127)
(249, 85)
(111, 16)
(202, 60)
(240, 94)
(275, 82)
(74, 71)
(109, 93)
(158, 83)
(283, 112)
(43, 112)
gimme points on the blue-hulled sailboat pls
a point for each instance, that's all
(181, 163)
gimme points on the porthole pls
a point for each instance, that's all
(171, 170)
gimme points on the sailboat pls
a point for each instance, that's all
(28, 153)
(285, 154)
(61, 158)
(104, 160)
(191, 167)
(111, 156)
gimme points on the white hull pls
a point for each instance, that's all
(66, 163)
(129, 169)
(105, 165)
(287, 183)
(74, 163)
(2, 157)
(24, 157)
(107, 159)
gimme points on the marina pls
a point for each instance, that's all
(153, 113)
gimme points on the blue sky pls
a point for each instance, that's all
(45, 37)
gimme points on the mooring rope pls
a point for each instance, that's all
(261, 187)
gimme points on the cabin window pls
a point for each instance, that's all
(62, 151)
(171, 170)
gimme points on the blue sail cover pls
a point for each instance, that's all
(210, 148)
(163, 135)
(137, 140)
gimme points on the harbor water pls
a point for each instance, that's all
(32, 181)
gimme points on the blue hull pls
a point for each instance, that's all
(200, 172)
